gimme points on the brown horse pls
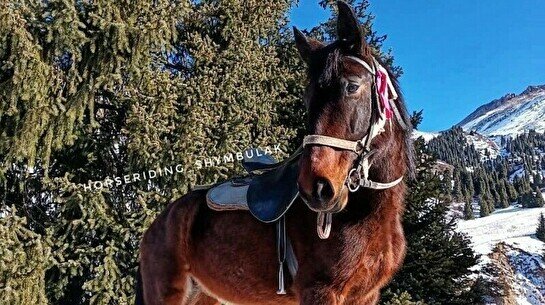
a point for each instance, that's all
(232, 258)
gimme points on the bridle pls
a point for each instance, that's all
(358, 176)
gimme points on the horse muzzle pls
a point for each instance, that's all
(323, 198)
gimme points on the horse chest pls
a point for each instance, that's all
(369, 260)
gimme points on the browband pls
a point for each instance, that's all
(363, 63)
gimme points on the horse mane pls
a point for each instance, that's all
(406, 118)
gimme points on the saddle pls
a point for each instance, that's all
(267, 192)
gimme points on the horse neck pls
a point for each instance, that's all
(389, 164)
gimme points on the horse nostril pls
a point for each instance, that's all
(323, 191)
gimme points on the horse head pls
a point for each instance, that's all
(346, 114)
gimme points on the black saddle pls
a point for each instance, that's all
(271, 193)
(267, 191)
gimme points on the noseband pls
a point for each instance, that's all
(358, 176)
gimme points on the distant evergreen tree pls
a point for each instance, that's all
(468, 210)
(503, 197)
(468, 182)
(416, 118)
(504, 201)
(532, 199)
(511, 191)
(457, 192)
(482, 189)
(539, 201)
(484, 206)
(491, 205)
(538, 180)
(496, 198)
(540, 232)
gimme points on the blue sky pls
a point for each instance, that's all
(456, 55)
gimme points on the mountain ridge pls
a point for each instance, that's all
(509, 115)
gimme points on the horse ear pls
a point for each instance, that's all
(305, 45)
(348, 30)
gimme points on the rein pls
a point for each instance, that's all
(358, 176)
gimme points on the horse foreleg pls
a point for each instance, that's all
(163, 257)
(160, 291)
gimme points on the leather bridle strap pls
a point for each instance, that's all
(363, 63)
(355, 146)
(378, 185)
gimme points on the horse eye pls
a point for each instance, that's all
(351, 88)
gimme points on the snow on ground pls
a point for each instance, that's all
(529, 284)
(426, 135)
(487, 147)
(515, 227)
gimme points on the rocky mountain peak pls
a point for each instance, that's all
(510, 114)
(532, 89)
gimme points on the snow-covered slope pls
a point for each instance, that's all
(484, 145)
(424, 134)
(511, 254)
(510, 115)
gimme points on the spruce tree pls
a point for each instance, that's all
(468, 210)
(457, 188)
(504, 199)
(540, 232)
(532, 199)
(538, 201)
(512, 192)
(24, 258)
(484, 206)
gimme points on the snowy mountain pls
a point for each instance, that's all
(509, 115)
